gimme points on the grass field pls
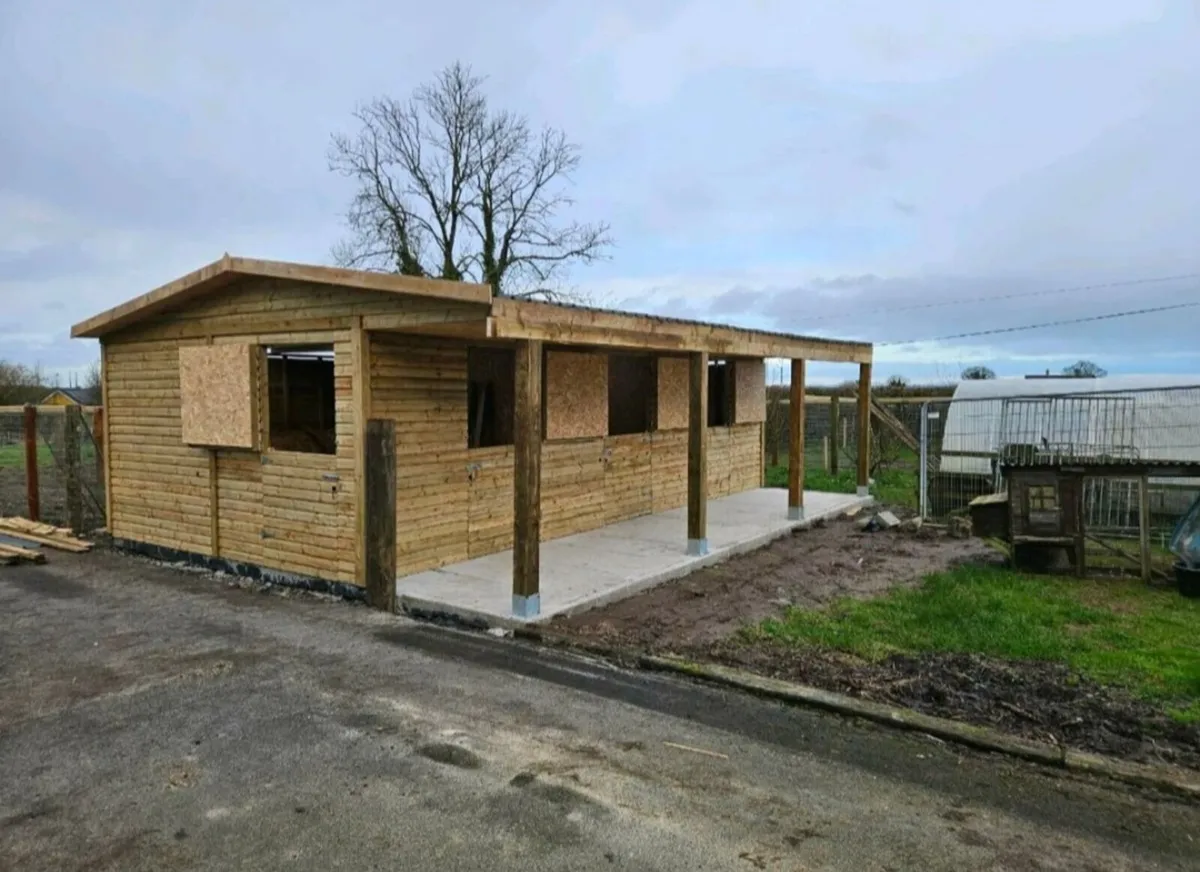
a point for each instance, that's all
(893, 487)
(1118, 633)
(14, 455)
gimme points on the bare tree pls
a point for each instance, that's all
(451, 189)
(978, 373)
(20, 384)
(92, 379)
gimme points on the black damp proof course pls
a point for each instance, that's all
(251, 571)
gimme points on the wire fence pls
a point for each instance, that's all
(968, 443)
(66, 487)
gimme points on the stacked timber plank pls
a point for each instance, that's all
(11, 553)
(24, 530)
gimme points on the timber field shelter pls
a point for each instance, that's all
(345, 428)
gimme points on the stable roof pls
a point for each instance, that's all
(498, 317)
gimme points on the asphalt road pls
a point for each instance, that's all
(152, 719)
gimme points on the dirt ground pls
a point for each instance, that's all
(52, 497)
(698, 617)
(808, 569)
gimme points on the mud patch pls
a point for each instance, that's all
(808, 569)
(1048, 702)
(450, 755)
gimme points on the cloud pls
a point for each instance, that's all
(799, 166)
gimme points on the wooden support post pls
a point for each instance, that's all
(835, 433)
(32, 490)
(1144, 527)
(379, 525)
(864, 429)
(697, 481)
(796, 443)
(72, 422)
(825, 453)
(527, 480)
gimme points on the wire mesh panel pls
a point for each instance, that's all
(966, 439)
(13, 500)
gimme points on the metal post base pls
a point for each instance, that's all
(863, 491)
(697, 547)
(795, 513)
(527, 606)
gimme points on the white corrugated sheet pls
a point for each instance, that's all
(1166, 417)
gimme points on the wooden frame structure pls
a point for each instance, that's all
(400, 351)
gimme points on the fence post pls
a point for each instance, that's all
(31, 463)
(73, 418)
(923, 493)
(98, 440)
(1143, 491)
(835, 433)
(379, 506)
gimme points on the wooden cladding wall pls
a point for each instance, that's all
(454, 504)
(282, 510)
(422, 386)
(160, 487)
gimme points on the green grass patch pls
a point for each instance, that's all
(14, 455)
(1118, 633)
(893, 487)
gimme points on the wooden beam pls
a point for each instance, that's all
(697, 480)
(32, 488)
(360, 393)
(796, 443)
(527, 480)
(379, 528)
(1144, 527)
(527, 319)
(864, 429)
(227, 270)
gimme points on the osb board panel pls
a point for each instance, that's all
(750, 391)
(576, 398)
(672, 393)
(217, 396)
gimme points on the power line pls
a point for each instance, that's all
(1016, 296)
(1062, 323)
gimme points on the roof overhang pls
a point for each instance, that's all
(577, 325)
(227, 270)
(498, 318)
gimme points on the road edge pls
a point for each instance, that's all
(1176, 782)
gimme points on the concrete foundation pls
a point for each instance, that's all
(590, 569)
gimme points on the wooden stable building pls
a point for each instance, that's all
(339, 427)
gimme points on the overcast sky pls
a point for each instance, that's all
(806, 166)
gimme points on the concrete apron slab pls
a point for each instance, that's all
(591, 569)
